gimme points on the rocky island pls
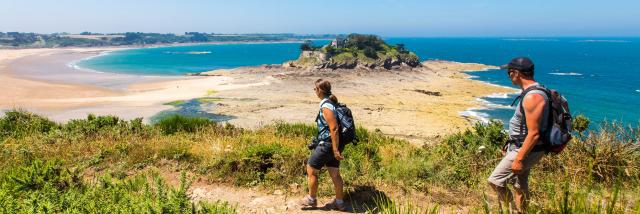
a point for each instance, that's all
(356, 51)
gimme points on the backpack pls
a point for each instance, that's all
(559, 126)
(346, 123)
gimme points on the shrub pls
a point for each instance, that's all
(464, 158)
(18, 124)
(580, 124)
(131, 195)
(176, 123)
(102, 127)
(38, 174)
(607, 156)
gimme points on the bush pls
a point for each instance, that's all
(580, 124)
(608, 156)
(38, 174)
(177, 123)
(44, 194)
(102, 125)
(18, 124)
(466, 157)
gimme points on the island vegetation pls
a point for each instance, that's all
(88, 39)
(355, 51)
(105, 164)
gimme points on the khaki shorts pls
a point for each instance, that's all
(502, 174)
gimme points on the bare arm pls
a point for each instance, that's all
(533, 110)
(330, 117)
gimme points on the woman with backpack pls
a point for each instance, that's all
(327, 149)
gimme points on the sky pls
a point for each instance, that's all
(390, 18)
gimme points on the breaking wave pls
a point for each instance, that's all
(188, 52)
(567, 74)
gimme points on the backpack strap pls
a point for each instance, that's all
(335, 111)
(520, 98)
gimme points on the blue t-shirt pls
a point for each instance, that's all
(323, 127)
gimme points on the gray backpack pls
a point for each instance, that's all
(346, 123)
(558, 131)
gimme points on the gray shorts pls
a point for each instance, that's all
(322, 155)
(502, 174)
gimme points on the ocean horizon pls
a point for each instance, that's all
(598, 75)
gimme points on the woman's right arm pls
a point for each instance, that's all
(330, 117)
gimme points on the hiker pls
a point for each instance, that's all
(328, 148)
(525, 147)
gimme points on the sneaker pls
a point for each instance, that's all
(308, 202)
(336, 206)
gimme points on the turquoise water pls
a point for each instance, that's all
(179, 60)
(600, 77)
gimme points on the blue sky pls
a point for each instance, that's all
(458, 18)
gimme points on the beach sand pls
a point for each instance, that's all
(417, 105)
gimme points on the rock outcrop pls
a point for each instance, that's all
(356, 52)
(320, 60)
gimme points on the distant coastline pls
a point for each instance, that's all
(13, 40)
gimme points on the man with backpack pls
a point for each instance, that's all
(541, 123)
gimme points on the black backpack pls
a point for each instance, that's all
(346, 124)
(559, 127)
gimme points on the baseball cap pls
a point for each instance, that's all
(522, 64)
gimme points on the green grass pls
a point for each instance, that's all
(595, 165)
(211, 92)
(47, 187)
(210, 99)
(176, 103)
(177, 123)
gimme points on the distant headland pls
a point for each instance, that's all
(88, 39)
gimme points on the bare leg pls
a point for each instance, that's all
(504, 195)
(337, 182)
(312, 178)
(522, 197)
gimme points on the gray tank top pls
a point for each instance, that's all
(514, 123)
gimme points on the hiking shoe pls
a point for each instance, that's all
(308, 202)
(334, 205)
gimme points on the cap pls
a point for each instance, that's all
(523, 64)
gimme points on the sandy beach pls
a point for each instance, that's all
(418, 104)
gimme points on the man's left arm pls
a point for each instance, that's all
(533, 107)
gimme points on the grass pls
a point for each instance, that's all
(211, 92)
(46, 187)
(176, 103)
(210, 99)
(600, 167)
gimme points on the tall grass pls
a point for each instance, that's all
(46, 187)
(452, 172)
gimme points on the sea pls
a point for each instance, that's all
(599, 76)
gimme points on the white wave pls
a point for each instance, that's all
(498, 95)
(604, 40)
(532, 39)
(75, 66)
(502, 86)
(482, 117)
(567, 74)
(199, 52)
(493, 105)
(188, 52)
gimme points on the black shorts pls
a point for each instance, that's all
(322, 155)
